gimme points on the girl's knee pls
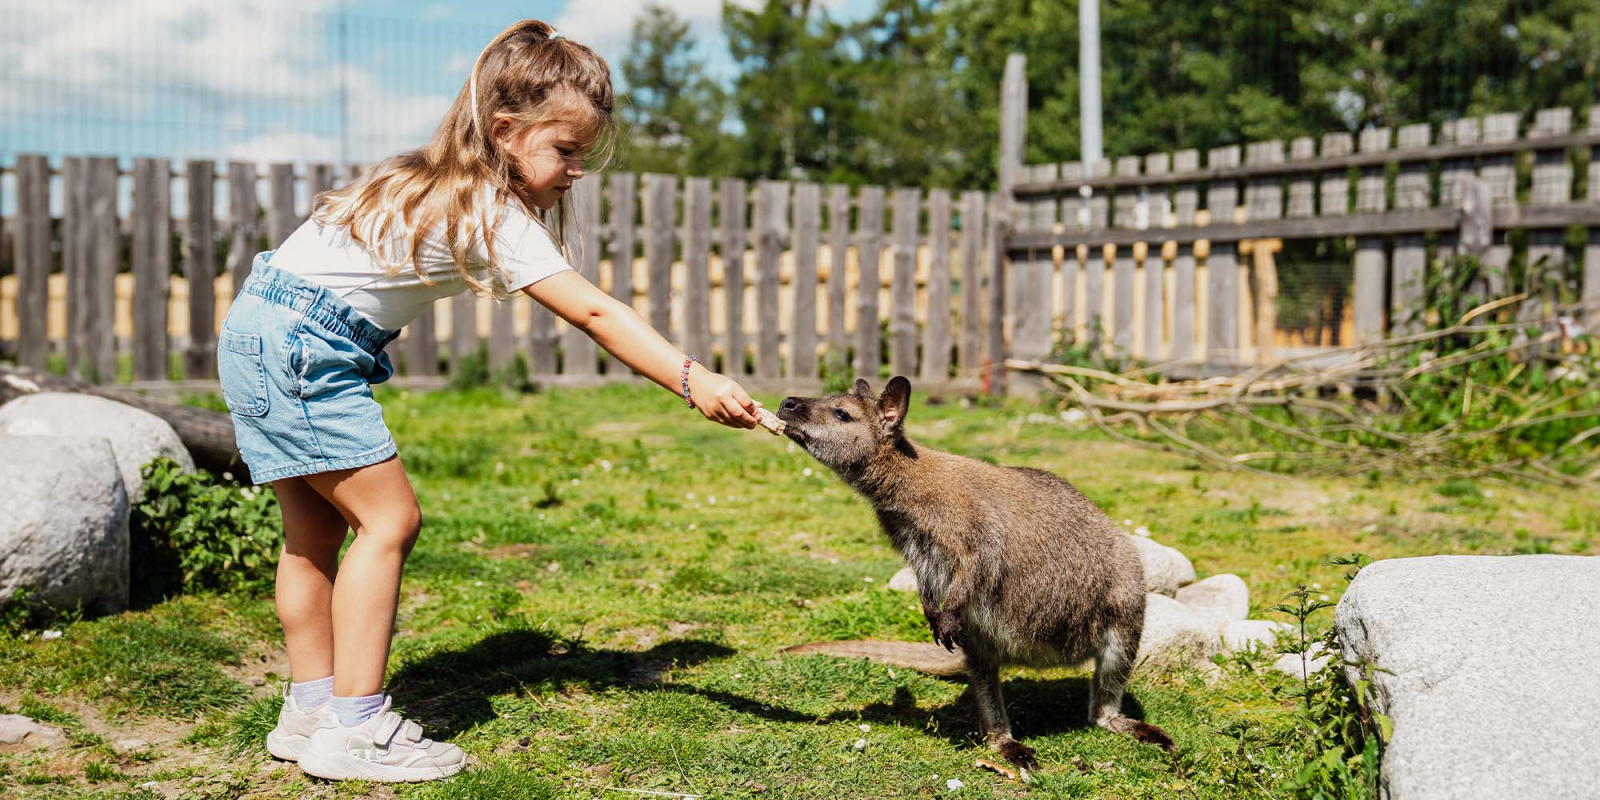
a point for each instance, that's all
(398, 530)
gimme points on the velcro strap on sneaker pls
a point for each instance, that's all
(389, 724)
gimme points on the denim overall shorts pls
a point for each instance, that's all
(296, 365)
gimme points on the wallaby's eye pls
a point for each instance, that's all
(841, 415)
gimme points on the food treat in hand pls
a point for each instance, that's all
(770, 421)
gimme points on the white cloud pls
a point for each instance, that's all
(257, 73)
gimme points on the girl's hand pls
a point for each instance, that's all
(722, 400)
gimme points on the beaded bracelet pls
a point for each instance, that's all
(686, 363)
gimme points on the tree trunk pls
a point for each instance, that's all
(207, 434)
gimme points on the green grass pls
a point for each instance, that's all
(603, 582)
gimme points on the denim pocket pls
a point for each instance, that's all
(243, 377)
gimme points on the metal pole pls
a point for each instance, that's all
(1089, 82)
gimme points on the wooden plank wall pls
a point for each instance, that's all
(777, 282)
(1163, 238)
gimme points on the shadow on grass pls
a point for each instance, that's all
(449, 691)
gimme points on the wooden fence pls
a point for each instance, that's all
(1144, 253)
(1160, 257)
(911, 260)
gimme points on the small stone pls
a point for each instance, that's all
(954, 784)
(525, 741)
(131, 745)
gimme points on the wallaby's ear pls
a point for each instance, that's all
(863, 389)
(895, 401)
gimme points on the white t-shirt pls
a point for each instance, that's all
(328, 256)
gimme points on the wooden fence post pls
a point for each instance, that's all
(1124, 268)
(1155, 294)
(904, 230)
(581, 354)
(1185, 205)
(838, 278)
(1371, 261)
(1499, 171)
(242, 209)
(1222, 265)
(152, 267)
(869, 251)
(623, 243)
(733, 216)
(200, 270)
(281, 219)
(971, 244)
(32, 241)
(803, 312)
(772, 224)
(936, 331)
(697, 262)
(1409, 270)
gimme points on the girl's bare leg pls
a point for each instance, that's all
(313, 532)
(378, 502)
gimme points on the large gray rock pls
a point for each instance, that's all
(1222, 597)
(63, 521)
(1174, 634)
(137, 436)
(1165, 569)
(1488, 668)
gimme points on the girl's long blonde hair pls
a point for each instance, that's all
(463, 178)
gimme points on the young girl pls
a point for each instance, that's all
(480, 207)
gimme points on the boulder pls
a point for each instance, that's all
(138, 437)
(1174, 634)
(1251, 634)
(63, 522)
(1222, 597)
(1165, 569)
(1486, 667)
(904, 581)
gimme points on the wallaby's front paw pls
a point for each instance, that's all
(947, 630)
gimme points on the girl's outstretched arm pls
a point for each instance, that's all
(624, 334)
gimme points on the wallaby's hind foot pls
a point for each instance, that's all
(1014, 751)
(1139, 729)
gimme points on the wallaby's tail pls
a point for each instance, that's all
(1143, 731)
(920, 656)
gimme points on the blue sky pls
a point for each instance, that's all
(261, 79)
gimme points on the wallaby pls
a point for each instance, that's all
(1013, 564)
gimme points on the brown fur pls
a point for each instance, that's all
(1013, 564)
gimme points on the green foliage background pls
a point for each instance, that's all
(909, 94)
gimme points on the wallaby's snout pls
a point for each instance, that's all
(845, 430)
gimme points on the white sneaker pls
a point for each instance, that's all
(386, 747)
(288, 740)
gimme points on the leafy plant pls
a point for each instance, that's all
(192, 533)
(1341, 734)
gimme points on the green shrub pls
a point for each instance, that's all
(191, 532)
